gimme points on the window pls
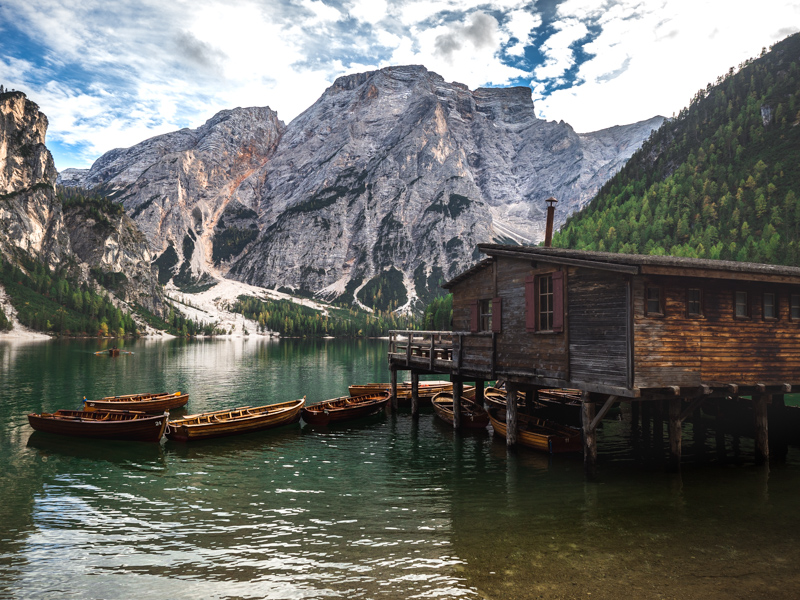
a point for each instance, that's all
(485, 311)
(545, 303)
(694, 302)
(653, 304)
(795, 307)
(741, 310)
(770, 310)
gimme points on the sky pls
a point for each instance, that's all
(109, 74)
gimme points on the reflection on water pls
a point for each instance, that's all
(389, 507)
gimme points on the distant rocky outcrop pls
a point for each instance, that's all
(389, 180)
(180, 188)
(99, 248)
(31, 220)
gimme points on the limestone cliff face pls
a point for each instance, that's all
(31, 220)
(398, 168)
(390, 169)
(34, 222)
(178, 187)
(111, 249)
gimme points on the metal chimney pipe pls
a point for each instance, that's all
(551, 209)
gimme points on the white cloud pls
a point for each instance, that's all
(652, 57)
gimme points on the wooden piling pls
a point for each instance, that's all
(675, 433)
(479, 387)
(458, 390)
(394, 389)
(414, 394)
(589, 434)
(511, 415)
(762, 435)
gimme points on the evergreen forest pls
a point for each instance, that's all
(292, 319)
(720, 181)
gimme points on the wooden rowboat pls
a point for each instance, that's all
(106, 424)
(427, 390)
(142, 402)
(345, 408)
(244, 419)
(472, 415)
(112, 352)
(496, 397)
(537, 433)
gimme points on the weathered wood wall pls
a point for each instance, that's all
(598, 327)
(716, 347)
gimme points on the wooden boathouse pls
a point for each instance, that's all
(621, 328)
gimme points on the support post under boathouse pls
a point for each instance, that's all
(669, 335)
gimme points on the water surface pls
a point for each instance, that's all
(390, 507)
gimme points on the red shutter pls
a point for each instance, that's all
(558, 301)
(497, 314)
(473, 317)
(530, 303)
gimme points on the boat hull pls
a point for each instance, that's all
(472, 416)
(427, 390)
(112, 425)
(140, 402)
(539, 434)
(346, 408)
(223, 423)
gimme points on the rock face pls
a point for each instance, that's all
(398, 169)
(34, 222)
(390, 179)
(179, 187)
(31, 220)
(113, 251)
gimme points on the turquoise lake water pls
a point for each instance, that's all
(389, 507)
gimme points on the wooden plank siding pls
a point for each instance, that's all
(598, 330)
(677, 349)
(517, 350)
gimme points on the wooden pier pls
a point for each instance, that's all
(668, 335)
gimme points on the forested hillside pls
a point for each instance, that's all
(720, 181)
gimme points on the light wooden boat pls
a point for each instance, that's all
(112, 352)
(158, 402)
(472, 415)
(537, 433)
(244, 419)
(427, 390)
(345, 408)
(496, 397)
(106, 424)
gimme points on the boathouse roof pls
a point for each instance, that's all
(635, 264)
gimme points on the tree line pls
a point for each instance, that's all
(719, 181)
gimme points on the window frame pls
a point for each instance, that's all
(484, 315)
(701, 307)
(775, 312)
(539, 295)
(661, 301)
(747, 314)
(792, 306)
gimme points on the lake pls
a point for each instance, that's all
(389, 507)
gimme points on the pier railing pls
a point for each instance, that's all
(438, 351)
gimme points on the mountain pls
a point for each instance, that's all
(89, 241)
(378, 191)
(31, 219)
(180, 188)
(720, 181)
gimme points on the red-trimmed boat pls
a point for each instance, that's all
(105, 424)
(345, 408)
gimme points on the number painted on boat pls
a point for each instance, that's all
(158, 423)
